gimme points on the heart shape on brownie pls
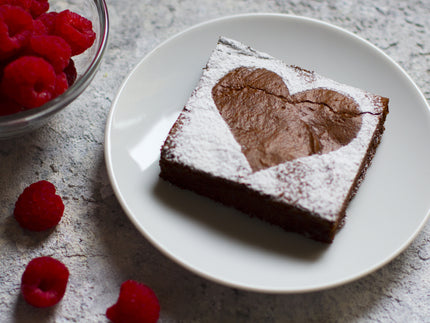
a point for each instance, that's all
(273, 126)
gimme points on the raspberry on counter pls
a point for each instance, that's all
(44, 282)
(137, 303)
(38, 208)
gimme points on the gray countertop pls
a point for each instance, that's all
(100, 245)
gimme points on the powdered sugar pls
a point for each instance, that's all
(318, 183)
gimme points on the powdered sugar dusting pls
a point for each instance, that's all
(318, 183)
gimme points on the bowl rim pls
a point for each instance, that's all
(9, 122)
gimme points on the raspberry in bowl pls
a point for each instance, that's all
(49, 53)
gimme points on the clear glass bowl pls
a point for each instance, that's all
(86, 65)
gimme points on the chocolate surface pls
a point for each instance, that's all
(273, 126)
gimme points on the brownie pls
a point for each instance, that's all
(278, 142)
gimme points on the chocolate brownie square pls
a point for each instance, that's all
(275, 141)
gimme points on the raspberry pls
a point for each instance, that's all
(39, 28)
(38, 7)
(137, 303)
(38, 208)
(76, 30)
(48, 19)
(53, 49)
(16, 28)
(44, 281)
(24, 4)
(36, 47)
(29, 80)
(7, 106)
(71, 73)
(61, 84)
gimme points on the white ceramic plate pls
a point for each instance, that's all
(228, 247)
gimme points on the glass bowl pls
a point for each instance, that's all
(86, 65)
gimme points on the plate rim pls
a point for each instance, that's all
(121, 199)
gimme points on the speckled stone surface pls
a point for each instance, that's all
(102, 248)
